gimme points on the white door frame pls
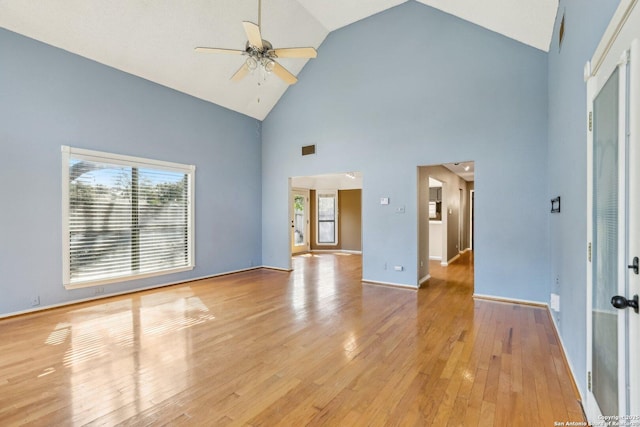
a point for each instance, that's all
(615, 49)
(307, 235)
(471, 200)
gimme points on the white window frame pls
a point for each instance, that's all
(333, 193)
(123, 160)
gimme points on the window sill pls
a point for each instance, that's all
(120, 279)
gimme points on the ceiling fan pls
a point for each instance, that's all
(260, 53)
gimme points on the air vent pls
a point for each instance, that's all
(308, 149)
(561, 33)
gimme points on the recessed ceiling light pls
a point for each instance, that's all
(466, 168)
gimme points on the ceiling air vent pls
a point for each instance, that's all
(308, 149)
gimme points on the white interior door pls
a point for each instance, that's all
(633, 285)
(613, 322)
(608, 247)
(299, 214)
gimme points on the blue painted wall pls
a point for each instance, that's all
(585, 23)
(49, 98)
(429, 88)
(414, 86)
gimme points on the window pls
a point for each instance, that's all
(124, 217)
(327, 230)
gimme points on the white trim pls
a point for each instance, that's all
(101, 156)
(334, 193)
(119, 159)
(471, 202)
(506, 300)
(435, 257)
(424, 279)
(572, 371)
(395, 285)
(610, 36)
(345, 251)
(446, 263)
(128, 278)
(306, 246)
(132, 291)
(611, 53)
(268, 267)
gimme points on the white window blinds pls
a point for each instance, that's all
(124, 217)
(327, 232)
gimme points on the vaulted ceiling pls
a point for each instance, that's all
(156, 39)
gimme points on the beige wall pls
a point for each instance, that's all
(349, 221)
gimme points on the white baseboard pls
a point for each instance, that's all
(131, 291)
(454, 258)
(564, 350)
(268, 267)
(391, 284)
(509, 300)
(435, 258)
(545, 306)
(424, 279)
(345, 251)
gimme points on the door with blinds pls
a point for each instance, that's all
(613, 274)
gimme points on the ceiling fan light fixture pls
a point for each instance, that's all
(261, 54)
(252, 64)
(268, 65)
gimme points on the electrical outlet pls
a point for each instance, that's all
(555, 302)
(35, 301)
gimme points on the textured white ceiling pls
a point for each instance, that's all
(528, 21)
(156, 39)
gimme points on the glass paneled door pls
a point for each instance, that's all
(608, 234)
(613, 322)
(299, 214)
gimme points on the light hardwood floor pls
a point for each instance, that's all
(310, 347)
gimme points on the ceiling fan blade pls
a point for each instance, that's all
(285, 75)
(295, 52)
(241, 73)
(217, 50)
(253, 34)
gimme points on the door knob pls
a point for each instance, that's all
(636, 265)
(621, 302)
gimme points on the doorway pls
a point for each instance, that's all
(325, 213)
(444, 214)
(299, 214)
(613, 212)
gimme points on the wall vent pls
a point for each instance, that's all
(308, 149)
(561, 33)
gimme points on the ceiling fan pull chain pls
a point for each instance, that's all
(260, 13)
